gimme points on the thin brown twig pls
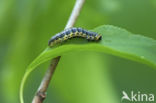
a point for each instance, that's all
(41, 92)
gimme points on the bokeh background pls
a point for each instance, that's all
(81, 77)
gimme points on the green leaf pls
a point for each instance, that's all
(115, 41)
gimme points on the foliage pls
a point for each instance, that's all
(115, 41)
(27, 25)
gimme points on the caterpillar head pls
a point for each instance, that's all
(98, 37)
(50, 43)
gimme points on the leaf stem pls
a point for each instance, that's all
(41, 92)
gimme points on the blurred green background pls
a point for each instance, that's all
(81, 77)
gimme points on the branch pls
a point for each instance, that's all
(75, 13)
(41, 92)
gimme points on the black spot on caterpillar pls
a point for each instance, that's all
(72, 33)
